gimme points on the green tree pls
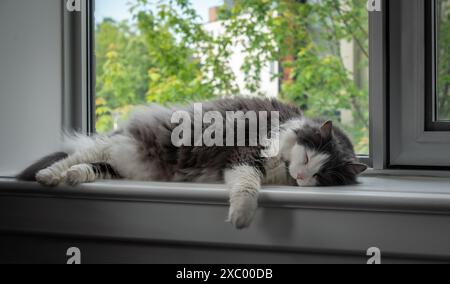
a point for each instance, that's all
(122, 71)
(306, 36)
(443, 59)
(177, 75)
(168, 57)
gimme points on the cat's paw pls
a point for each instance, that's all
(242, 212)
(48, 177)
(79, 174)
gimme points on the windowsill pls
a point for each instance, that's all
(386, 193)
(406, 173)
(404, 216)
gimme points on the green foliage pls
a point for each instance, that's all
(122, 71)
(443, 59)
(168, 57)
(307, 39)
(177, 75)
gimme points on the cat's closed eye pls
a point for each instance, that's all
(306, 158)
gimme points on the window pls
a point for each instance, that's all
(438, 58)
(443, 59)
(312, 53)
(419, 83)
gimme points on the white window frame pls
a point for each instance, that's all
(411, 144)
(79, 68)
(377, 87)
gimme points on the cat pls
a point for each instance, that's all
(312, 152)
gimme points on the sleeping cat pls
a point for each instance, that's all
(311, 153)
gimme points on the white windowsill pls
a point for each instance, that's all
(397, 193)
(404, 216)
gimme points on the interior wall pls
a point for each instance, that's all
(30, 81)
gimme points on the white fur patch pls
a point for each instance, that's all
(298, 164)
(244, 183)
(290, 150)
(283, 139)
(126, 159)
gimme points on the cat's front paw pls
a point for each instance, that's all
(242, 212)
(48, 177)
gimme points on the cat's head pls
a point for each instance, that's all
(319, 154)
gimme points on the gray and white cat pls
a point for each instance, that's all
(312, 153)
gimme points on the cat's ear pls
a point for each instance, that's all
(326, 130)
(357, 168)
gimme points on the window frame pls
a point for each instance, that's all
(378, 84)
(79, 68)
(433, 123)
(411, 144)
(91, 62)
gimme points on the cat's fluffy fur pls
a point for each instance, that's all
(313, 153)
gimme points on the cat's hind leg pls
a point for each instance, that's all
(56, 174)
(86, 173)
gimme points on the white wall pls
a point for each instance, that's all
(30, 80)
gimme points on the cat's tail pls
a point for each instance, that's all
(70, 144)
(29, 174)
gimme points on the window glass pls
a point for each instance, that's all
(443, 59)
(311, 53)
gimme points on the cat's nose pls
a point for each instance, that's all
(301, 176)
